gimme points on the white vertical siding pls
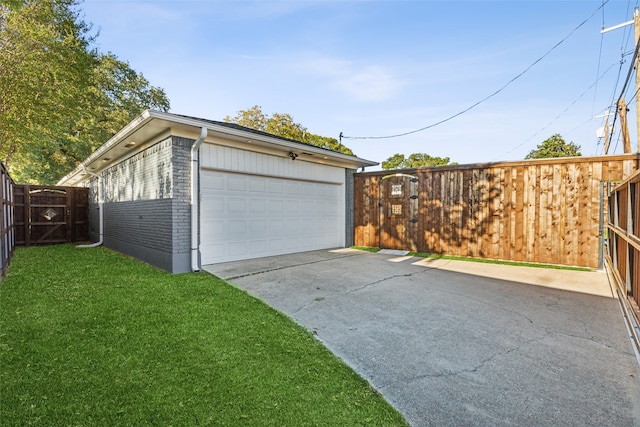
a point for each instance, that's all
(237, 160)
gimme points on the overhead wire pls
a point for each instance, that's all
(614, 104)
(595, 92)
(561, 113)
(489, 96)
(626, 82)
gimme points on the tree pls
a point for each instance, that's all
(45, 68)
(414, 161)
(59, 98)
(554, 146)
(119, 95)
(284, 126)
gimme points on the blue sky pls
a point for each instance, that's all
(380, 68)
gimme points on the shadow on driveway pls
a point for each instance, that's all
(462, 343)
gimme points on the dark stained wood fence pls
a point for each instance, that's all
(542, 211)
(7, 229)
(46, 215)
(623, 247)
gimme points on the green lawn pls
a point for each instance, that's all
(89, 337)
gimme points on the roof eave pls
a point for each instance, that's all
(148, 126)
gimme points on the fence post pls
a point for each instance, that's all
(601, 228)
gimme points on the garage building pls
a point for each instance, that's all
(254, 194)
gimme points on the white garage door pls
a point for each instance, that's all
(250, 216)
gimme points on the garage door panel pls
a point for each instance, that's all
(292, 187)
(276, 246)
(213, 230)
(213, 250)
(292, 227)
(306, 207)
(276, 207)
(276, 187)
(258, 247)
(257, 185)
(234, 205)
(250, 216)
(237, 248)
(236, 183)
(276, 226)
(258, 227)
(237, 226)
(292, 243)
(258, 206)
(307, 225)
(293, 207)
(212, 183)
(216, 205)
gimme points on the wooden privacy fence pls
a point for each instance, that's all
(623, 247)
(7, 230)
(542, 211)
(47, 215)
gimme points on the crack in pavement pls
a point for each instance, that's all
(453, 373)
(503, 308)
(285, 267)
(590, 339)
(359, 288)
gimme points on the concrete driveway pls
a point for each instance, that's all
(461, 343)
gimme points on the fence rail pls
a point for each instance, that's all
(543, 211)
(7, 222)
(623, 247)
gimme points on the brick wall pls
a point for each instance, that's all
(147, 212)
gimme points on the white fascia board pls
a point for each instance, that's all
(343, 160)
(151, 125)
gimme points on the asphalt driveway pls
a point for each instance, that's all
(461, 343)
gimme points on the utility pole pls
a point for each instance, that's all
(606, 132)
(622, 112)
(625, 129)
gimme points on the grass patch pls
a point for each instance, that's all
(497, 261)
(90, 337)
(482, 260)
(366, 248)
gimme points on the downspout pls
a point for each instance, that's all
(195, 264)
(100, 209)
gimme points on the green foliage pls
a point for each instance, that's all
(555, 146)
(284, 126)
(59, 98)
(90, 337)
(414, 161)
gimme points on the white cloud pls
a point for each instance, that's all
(363, 83)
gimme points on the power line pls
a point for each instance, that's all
(626, 82)
(487, 97)
(563, 111)
(595, 92)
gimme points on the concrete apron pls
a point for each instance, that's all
(461, 343)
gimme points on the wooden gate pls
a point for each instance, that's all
(398, 213)
(544, 211)
(48, 215)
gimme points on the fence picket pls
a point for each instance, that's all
(543, 211)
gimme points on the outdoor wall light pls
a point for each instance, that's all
(292, 155)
